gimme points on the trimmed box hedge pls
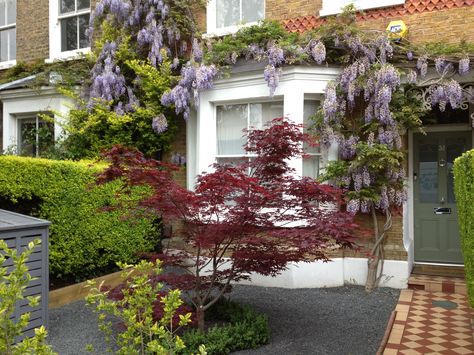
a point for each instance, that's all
(464, 190)
(86, 237)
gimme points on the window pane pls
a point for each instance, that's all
(227, 13)
(3, 10)
(83, 24)
(231, 121)
(260, 114)
(311, 166)
(4, 45)
(310, 107)
(69, 34)
(27, 138)
(66, 6)
(11, 11)
(252, 10)
(83, 4)
(45, 136)
(12, 43)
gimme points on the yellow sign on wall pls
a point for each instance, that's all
(397, 30)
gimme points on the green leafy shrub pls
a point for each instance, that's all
(245, 329)
(12, 287)
(142, 334)
(85, 239)
(464, 190)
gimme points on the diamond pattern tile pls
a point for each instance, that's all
(431, 329)
(306, 23)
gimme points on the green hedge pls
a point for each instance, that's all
(464, 190)
(85, 239)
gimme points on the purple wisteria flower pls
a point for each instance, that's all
(464, 66)
(412, 77)
(347, 147)
(275, 55)
(159, 123)
(272, 77)
(422, 65)
(318, 51)
(353, 206)
(197, 51)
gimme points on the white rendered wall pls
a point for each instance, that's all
(338, 272)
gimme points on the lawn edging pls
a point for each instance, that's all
(78, 292)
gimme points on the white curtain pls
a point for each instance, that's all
(231, 121)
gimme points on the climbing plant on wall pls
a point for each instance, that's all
(365, 112)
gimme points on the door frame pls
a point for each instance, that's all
(409, 208)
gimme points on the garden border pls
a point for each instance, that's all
(77, 292)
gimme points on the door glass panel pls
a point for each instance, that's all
(454, 148)
(428, 173)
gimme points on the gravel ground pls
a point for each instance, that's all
(341, 320)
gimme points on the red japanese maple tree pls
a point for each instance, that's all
(253, 217)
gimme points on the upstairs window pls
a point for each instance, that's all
(332, 7)
(7, 30)
(224, 16)
(74, 20)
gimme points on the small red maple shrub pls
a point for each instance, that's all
(256, 216)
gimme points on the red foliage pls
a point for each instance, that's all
(253, 217)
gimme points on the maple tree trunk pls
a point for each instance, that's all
(200, 318)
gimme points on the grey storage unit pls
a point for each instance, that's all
(17, 231)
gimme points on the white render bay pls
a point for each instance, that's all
(214, 133)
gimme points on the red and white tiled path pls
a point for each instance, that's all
(431, 323)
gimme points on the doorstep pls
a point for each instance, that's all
(437, 284)
(431, 322)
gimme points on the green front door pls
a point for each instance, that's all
(435, 219)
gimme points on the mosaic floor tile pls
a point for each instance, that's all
(431, 328)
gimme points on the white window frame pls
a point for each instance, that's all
(8, 63)
(248, 103)
(55, 18)
(333, 7)
(211, 14)
(32, 116)
(297, 84)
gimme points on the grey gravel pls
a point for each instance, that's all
(72, 327)
(340, 320)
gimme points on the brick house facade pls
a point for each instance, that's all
(38, 38)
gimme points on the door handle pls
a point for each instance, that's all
(442, 210)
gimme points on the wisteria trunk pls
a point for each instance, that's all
(376, 257)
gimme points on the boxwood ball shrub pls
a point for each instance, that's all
(236, 327)
(86, 237)
(464, 190)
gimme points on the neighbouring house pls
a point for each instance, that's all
(55, 30)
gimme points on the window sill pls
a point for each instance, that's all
(69, 55)
(335, 8)
(7, 64)
(229, 30)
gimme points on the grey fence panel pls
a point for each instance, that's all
(18, 231)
